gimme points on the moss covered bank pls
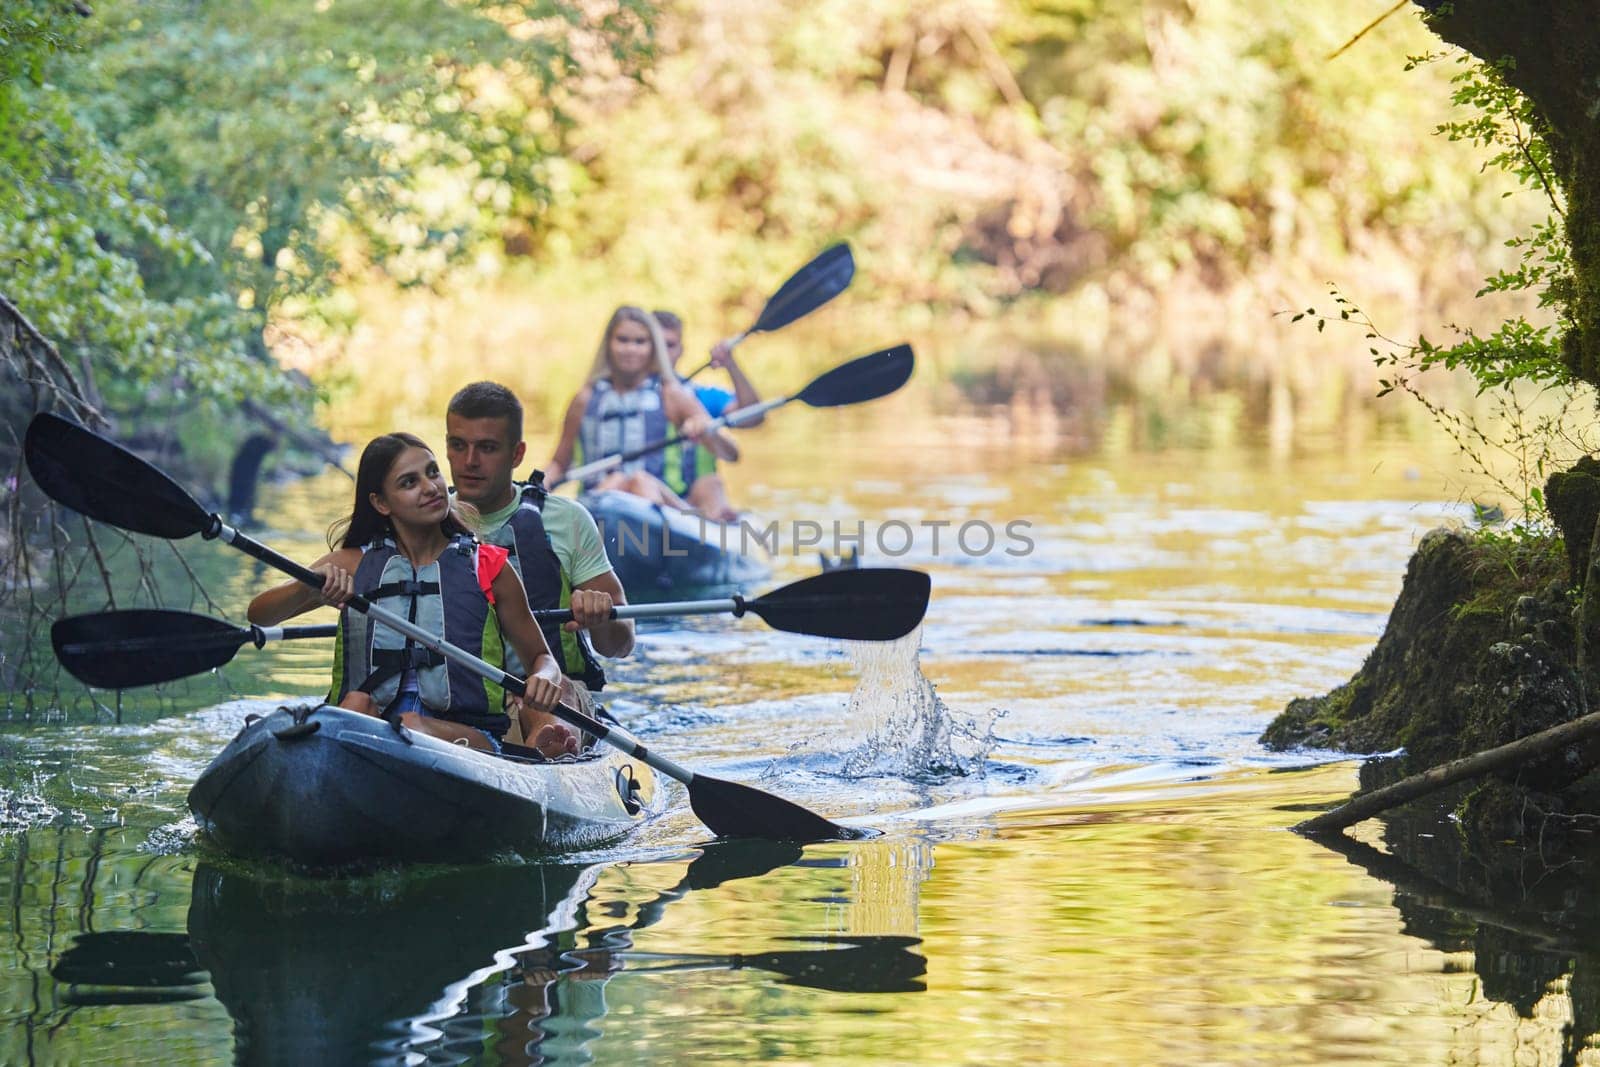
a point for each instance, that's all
(1492, 638)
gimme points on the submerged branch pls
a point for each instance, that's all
(1522, 750)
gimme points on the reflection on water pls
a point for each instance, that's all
(1081, 835)
(1166, 922)
(511, 962)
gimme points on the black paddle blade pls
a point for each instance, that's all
(728, 861)
(127, 649)
(99, 478)
(734, 810)
(862, 379)
(864, 604)
(866, 964)
(809, 288)
(129, 958)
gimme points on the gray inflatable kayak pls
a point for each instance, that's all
(325, 787)
(658, 553)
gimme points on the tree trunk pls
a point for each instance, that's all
(1549, 50)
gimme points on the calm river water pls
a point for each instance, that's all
(1084, 855)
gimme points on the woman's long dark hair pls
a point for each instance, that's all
(365, 524)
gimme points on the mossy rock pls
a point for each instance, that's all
(1573, 497)
(1433, 685)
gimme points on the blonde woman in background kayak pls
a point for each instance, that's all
(634, 398)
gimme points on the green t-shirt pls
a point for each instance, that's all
(573, 534)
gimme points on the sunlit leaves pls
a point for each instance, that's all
(191, 170)
(354, 134)
(80, 237)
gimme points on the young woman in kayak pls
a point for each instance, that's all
(404, 547)
(633, 398)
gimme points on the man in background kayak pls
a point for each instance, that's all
(717, 401)
(484, 445)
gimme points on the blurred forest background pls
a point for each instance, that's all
(337, 211)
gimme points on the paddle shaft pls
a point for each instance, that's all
(731, 418)
(734, 605)
(732, 343)
(615, 736)
(262, 634)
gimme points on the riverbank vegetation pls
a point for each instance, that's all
(1494, 634)
(327, 183)
(1132, 184)
(239, 220)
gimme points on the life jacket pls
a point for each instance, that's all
(447, 597)
(615, 422)
(547, 583)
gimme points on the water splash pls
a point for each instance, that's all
(910, 733)
(24, 809)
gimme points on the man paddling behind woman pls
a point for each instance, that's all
(405, 548)
(484, 445)
(716, 400)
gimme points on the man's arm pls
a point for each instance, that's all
(589, 571)
(612, 638)
(744, 391)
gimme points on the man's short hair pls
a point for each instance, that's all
(668, 320)
(489, 400)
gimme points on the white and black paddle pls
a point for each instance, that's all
(864, 378)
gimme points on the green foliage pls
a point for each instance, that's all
(1519, 551)
(303, 142)
(31, 31)
(1493, 116)
(186, 178)
(1523, 438)
(977, 152)
(1498, 118)
(80, 235)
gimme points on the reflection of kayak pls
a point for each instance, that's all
(327, 787)
(493, 963)
(657, 551)
(339, 971)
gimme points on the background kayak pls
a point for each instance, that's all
(660, 554)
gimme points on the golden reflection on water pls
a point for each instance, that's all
(1150, 922)
(1161, 926)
